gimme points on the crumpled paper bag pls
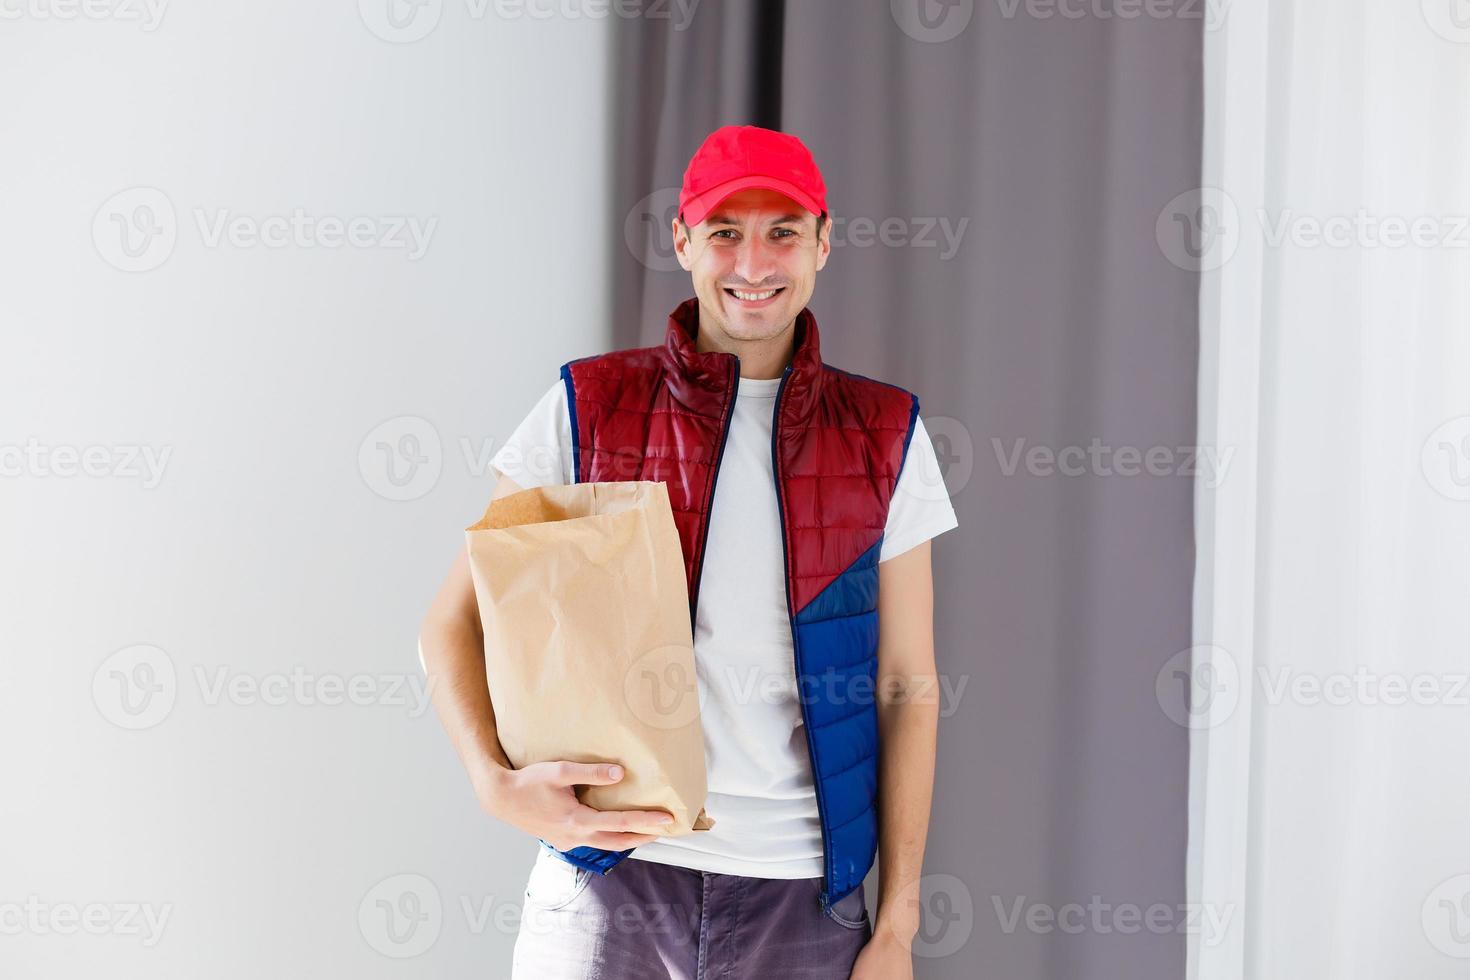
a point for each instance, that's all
(588, 647)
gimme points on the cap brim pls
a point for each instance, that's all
(700, 206)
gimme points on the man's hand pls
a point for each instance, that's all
(540, 800)
(885, 957)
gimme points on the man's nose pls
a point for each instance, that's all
(755, 261)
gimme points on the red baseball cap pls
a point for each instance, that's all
(734, 158)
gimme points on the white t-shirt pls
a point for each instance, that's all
(760, 792)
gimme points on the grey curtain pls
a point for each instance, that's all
(1018, 165)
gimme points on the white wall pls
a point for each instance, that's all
(268, 541)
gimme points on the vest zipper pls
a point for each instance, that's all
(719, 457)
(811, 747)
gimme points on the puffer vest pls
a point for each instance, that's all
(838, 443)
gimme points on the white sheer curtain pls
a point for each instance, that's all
(1330, 765)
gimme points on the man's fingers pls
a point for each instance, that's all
(621, 821)
(603, 840)
(620, 842)
(588, 773)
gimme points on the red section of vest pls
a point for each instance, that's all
(660, 413)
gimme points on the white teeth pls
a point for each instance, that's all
(753, 297)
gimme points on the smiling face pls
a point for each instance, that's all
(754, 260)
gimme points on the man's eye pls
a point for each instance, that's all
(724, 231)
(785, 232)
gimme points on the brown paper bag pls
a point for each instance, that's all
(588, 648)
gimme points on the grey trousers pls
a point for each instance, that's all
(647, 921)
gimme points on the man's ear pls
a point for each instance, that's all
(683, 244)
(824, 243)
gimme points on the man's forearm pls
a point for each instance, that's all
(454, 659)
(908, 730)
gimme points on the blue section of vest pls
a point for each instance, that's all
(566, 377)
(591, 858)
(837, 634)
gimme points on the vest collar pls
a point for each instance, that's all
(710, 370)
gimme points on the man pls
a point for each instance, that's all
(805, 499)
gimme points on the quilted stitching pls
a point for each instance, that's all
(659, 413)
